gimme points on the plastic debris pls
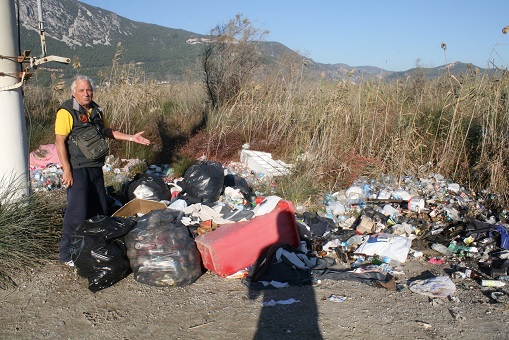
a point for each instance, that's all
(273, 302)
(337, 298)
(440, 286)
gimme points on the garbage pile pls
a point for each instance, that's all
(364, 232)
(377, 223)
(46, 178)
(208, 217)
(46, 171)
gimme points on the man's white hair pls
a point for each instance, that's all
(81, 78)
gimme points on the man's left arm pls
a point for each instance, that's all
(117, 135)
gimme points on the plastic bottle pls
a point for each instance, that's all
(462, 250)
(441, 249)
(359, 260)
(327, 198)
(401, 195)
(336, 208)
(473, 274)
(492, 283)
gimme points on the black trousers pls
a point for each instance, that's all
(86, 198)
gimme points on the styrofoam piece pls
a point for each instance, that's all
(262, 162)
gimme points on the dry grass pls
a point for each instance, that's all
(456, 126)
(28, 231)
(334, 131)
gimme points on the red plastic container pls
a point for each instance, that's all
(236, 246)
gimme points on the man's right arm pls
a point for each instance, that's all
(63, 127)
(63, 156)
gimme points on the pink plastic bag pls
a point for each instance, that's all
(44, 155)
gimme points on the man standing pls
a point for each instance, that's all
(83, 177)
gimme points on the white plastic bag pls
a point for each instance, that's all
(394, 247)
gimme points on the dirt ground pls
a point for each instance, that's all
(53, 302)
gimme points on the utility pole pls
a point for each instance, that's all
(13, 142)
(14, 174)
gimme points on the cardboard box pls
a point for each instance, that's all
(138, 206)
(235, 246)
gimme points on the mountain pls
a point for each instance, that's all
(77, 30)
(92, 36)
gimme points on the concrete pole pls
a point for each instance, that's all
(14, 175)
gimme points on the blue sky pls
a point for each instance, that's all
(392, 34)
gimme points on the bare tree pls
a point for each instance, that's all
(230, 59)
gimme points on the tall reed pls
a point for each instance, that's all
(453, 125)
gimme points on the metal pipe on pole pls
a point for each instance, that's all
(14, 175)
(41, 28)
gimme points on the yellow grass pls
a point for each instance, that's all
(334, 131)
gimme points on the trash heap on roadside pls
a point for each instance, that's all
(213, 219)
(376, 224)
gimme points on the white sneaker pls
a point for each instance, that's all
(69, 263)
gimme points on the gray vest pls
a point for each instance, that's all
(80, 120)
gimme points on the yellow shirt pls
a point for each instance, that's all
(64, 121)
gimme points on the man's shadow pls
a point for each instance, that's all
(296, 319)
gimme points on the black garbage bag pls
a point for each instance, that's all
(162, 252)
(240, 183)
(148, 187)
(99, 252)
(203, 182)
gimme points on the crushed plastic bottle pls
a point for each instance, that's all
(441, 249)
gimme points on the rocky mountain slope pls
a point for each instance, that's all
(93, 37)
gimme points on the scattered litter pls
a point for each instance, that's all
(386, 245)
(436, 302)
(272, 302)
(500, 297)
(200, 325)
(337, 298)
(238, 275)
(262, 163)
(372, 226)
(492, 283)
(424, 325)
(436, 260)
(454, 299)
(440, 286)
